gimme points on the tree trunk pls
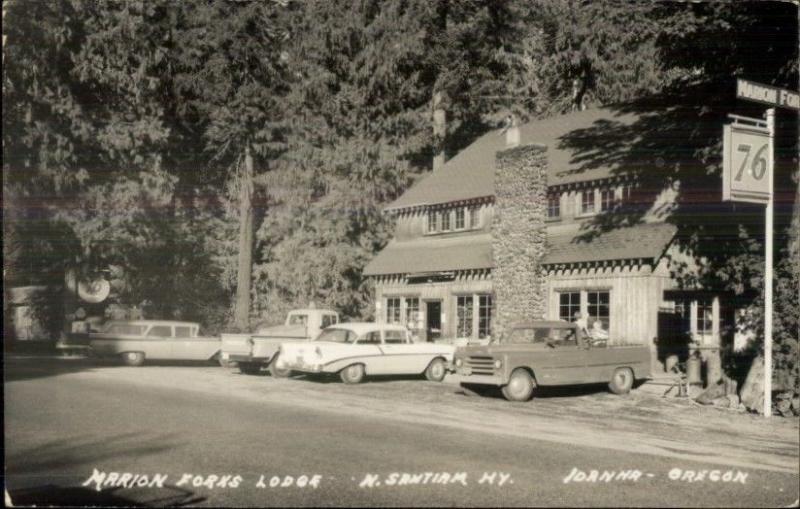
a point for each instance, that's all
(245, 266)
(439, 131)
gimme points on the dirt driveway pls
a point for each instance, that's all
(639, 422)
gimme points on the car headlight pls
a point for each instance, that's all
(458, 363)
(498, 364)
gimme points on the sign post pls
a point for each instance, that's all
(752, 180)
(768, 271)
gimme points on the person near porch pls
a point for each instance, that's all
(582, 321)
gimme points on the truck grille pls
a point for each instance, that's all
(481, 365)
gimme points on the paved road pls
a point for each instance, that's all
(64, 420)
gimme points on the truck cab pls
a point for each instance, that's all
(252, 352)
(550, 353)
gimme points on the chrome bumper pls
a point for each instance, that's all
(480, 379)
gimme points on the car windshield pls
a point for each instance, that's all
(337, 336)
(298, 319)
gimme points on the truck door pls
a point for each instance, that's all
(563, 360)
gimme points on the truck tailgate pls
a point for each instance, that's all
(237, 344)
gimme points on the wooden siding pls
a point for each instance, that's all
(464, 284)
(635, 294)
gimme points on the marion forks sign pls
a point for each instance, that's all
(766, 94)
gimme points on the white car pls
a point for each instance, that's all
(354, 350)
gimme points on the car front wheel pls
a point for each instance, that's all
(622, 381)
(436, 370)
(133, 358)
(520, 386)
(277, 372)
(352, 374)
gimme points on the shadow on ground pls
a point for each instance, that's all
(562, 391)
(55, 496)
(31, 367)
(27, 368)
(76, 450)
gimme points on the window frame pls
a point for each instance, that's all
(703, 305)
(582, 202)
(599, 305)
(571, 306)
(460, 212)
(485, 322)
(417, 320)
(446, 222)
(388, 301)
(474, 217)
(553, 204)
(432, 222)
(464, 322)
(607, 199)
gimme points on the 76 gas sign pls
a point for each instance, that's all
(746, 164)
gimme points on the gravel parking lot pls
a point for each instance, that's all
(639, 422)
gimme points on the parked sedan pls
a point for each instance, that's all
(354, 350)
(136, 340)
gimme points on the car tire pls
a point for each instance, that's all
(249, 368)
(133, 358)
(621, 381)
(277, 372)
(436, 370)
(520, 386)
(352, 374)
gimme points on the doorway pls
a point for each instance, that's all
(433, 320)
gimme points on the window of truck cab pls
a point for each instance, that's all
(298, 319)
(328, 320)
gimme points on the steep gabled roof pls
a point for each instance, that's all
(470, 174)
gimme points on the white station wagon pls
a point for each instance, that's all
(354, 350)
(136, 340)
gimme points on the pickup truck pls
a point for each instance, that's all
(549, 353)
(252, 352)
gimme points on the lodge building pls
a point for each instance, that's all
(606, 241)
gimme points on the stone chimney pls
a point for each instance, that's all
(519, 235)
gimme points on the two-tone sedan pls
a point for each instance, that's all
(355, 350)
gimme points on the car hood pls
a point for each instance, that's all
(493, 349)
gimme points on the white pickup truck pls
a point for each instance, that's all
(252, 352)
